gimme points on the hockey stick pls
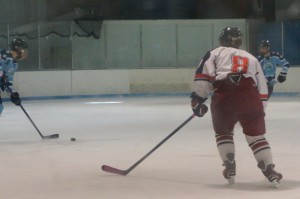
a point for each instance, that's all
(110, 169)
(53, 136)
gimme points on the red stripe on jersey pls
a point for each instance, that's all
(256, 146)
(264, 96)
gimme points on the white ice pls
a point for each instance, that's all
(118, 132)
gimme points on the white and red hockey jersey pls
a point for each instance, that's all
(221, 61)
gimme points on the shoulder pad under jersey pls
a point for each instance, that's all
(276, 54)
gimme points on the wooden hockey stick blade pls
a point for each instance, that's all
(54, 136)
(113, 170)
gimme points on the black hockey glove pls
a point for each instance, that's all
(15, 98)
(281, 77)
(197, 105)
(4, 82)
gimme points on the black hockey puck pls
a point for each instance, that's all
(73, 139)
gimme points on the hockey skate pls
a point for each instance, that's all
(272, 175)
(230, 169)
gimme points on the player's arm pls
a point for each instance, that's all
(284, 68)
(204, 76)
(202, 85)
(14, 96)
(4, 82)
(10, 78)
(261, 83)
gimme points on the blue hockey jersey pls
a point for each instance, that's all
(8, 65)
(270, 63)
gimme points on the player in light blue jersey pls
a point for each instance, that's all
(8, 66)
(269, 61)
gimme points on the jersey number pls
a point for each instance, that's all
(239, 64)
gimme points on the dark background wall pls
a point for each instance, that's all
(164, 9)
(22, 11)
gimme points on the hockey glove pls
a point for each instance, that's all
(4, 82)
(15, 98)
(281, 77)
(197, 105)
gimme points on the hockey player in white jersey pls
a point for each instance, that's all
(8, 66)
(238, 85)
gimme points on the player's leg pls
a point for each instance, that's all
(1, 106)
(253, 123)
(223, 123)
(270, 90)
(263, 155)
(226, 148)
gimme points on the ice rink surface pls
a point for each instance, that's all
(118, 132)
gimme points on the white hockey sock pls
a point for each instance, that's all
(225, 144)
(261, 149)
